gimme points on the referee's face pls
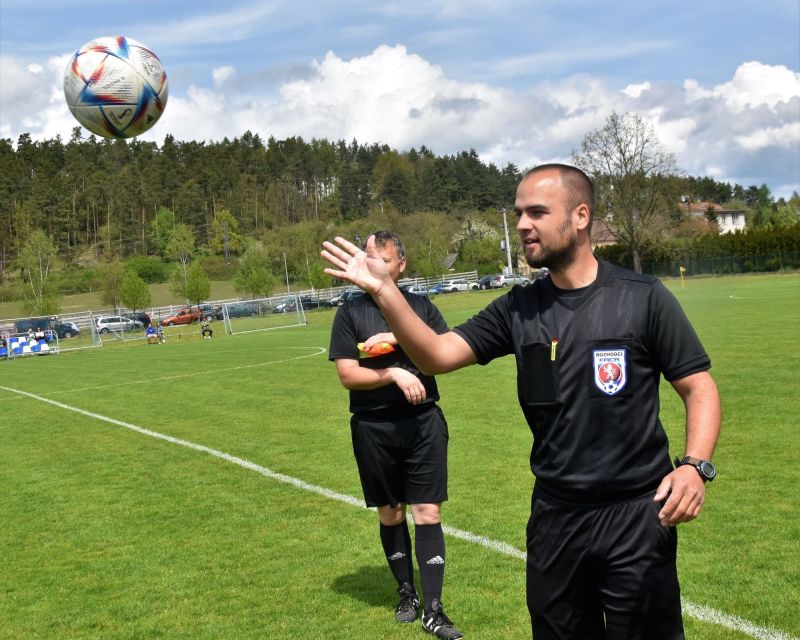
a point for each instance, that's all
(545, 227)
(388, 253)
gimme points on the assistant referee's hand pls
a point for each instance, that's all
(684, 491)
(409, 384)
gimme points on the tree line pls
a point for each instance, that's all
(256, 211)
(103, 194)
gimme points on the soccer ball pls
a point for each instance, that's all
(115, 87)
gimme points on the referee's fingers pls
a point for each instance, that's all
(663, 489)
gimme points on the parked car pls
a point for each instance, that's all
(289, 304)
(241, 310)
(459, 284)
(311, 303)
(418, 290)
(210, 311)
(187, 315)
(65, 329)
(541, 274)
(107, 324)
(139, 316)
(507, 280)
(345, 296)
(61, 329)
(484, 282)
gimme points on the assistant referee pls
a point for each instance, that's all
(591, 343)
(399, 440)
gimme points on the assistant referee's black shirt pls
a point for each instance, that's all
(588, 368)
(359, 319)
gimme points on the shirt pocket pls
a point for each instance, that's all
(538, 375)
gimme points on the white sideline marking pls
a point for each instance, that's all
(321, 350)
(700, 612)
(707, 614)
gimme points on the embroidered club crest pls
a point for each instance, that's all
(610, 372)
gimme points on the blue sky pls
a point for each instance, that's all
(518, 81)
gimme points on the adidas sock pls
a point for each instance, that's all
(429, 543)
(396, 543)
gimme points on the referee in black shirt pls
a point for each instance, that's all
(591, 343)
(399, 440)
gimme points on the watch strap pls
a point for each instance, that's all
(698, 464)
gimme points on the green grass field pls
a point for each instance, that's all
(108, 532)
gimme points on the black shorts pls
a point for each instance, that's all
(602, 572)
(402, 459)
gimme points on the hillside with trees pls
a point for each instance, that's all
(249, 210)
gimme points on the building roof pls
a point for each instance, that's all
(700, 208)
(602, 233)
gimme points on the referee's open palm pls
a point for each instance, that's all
(363, 268)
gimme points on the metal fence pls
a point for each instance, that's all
(89, 334)
(726, 265)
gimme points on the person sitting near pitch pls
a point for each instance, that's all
(399, 440)
(152, 335)
(207, 332)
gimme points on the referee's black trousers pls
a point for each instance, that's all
(602, 573)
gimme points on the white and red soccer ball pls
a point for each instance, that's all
(115, 87)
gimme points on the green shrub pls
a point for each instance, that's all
(77, 280)
(151, 269)
(216, 268)
(9, 292)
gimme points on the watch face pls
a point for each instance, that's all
(707, 469)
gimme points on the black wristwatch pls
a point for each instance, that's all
(704, 467)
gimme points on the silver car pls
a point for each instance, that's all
(460, 284)
(507, 280)
(107, 324)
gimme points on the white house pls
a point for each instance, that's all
(729, 220)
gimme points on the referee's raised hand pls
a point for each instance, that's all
(363, 268)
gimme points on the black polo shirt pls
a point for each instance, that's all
(588, 368)
(359, 319)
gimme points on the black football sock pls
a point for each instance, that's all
(429, 544)
(397, 548)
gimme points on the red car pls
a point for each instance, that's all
(187, 315)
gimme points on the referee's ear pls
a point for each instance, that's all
(582, 216)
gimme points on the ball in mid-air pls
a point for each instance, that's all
(115, 87)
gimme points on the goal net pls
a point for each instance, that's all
(264, 314)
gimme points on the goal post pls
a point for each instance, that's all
(263, 314)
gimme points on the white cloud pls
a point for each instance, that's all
(390, 96)
(787, 135)
(694, 91)
(636, 90)
(398, 98)
(675, 134)
(221, 75)
(31, 97)
(755, 84)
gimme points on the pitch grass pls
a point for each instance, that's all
(107, 533)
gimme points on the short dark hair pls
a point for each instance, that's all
(577, 184)
(382, 238)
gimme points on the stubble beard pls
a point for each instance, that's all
(556, 258)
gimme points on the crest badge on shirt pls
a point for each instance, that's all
(610, 370)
